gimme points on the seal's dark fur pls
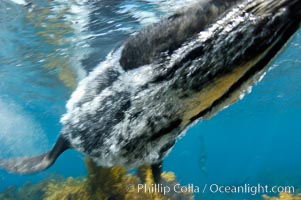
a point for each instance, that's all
(170, 33)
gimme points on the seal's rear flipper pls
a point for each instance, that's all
(28, 165)
(157, 171)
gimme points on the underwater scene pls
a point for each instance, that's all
(247, 150)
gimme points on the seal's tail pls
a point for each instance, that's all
(28, 165)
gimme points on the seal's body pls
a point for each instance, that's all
(131, 109)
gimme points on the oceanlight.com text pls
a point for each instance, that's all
(247, 189)
(258, 189)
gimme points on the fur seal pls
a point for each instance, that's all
(132, 108)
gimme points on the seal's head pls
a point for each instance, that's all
(131, 109)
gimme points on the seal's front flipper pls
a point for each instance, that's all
(157, 170)
(28, 165)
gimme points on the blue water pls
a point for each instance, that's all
(47, 49)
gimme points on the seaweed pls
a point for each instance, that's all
(101, 183)
(9, 193)
(283, 196)
(65, 190)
